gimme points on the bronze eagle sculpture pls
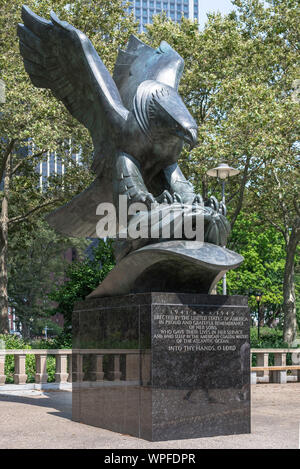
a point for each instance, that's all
(137, 120)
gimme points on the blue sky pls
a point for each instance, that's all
(207, 6)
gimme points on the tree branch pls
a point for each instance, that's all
(278, 227)
(281, 201)
(27, 158)
(20, 218)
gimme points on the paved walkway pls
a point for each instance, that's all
(42, 420)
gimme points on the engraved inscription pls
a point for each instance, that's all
(190, 331)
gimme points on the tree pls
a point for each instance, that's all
(36, 259)
(219, 93)
(276, 186)
(262, 270)
(239, 83)
(33, 123)
(82, 278)
(297, 291)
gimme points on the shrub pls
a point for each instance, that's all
(14, 342)
(269, 338)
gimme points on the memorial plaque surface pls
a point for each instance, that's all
(163, 366)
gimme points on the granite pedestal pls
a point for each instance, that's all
(162, 366)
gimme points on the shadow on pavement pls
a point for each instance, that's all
(60, 400)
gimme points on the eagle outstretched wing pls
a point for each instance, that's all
(140, 62)
(60, 57)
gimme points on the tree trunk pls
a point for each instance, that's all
(3, 287)
(4, 326)
(3, 263)
(289, 304)
(25, 330)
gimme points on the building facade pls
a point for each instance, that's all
(53, 164)
(175, 9)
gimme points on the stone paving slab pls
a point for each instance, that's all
(36, 419)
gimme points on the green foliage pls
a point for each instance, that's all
(33, 123)
(269, 338)
(262, 270)
(31, 113)
(63, 340)
(39, 325)
(240, 83)
(13, 342)
(83, 277)
(35, 260)
(297, 292)
(16, 343)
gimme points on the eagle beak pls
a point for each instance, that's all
(191, 137)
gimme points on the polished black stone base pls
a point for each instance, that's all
(163, 366)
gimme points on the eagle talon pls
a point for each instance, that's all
(177, 198)
(145, 198)
(197, 200)
(223, 209)
(217, 227)
(212, 203)
(165, 198)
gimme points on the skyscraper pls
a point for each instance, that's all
(145, 9)
(52, 165)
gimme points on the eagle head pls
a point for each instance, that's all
(161, 113)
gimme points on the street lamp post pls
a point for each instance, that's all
(223, 172)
